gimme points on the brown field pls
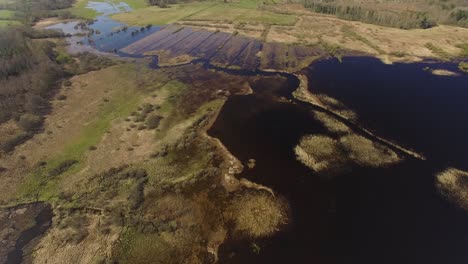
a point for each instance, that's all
(291, 47)
(225, 50)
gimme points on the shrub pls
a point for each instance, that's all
(62, 167)
(257, 215)
(67, 83)
(153, 121)
(29, 122)
(463, 66)
(147, 108)
(14, 141)
(63, 58)
(453, 184)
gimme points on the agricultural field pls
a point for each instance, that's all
(245, 11)
(293, 24)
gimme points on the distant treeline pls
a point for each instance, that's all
(30, 11)
(165, 3)
(405, 20)
(459, 18)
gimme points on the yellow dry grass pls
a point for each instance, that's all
(257, 214)
(380, 41)
(331, 123)
(329, 156)
(364, 152)
(319, 152)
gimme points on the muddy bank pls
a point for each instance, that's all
(21, 226)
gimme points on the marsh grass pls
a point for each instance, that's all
(331, 123)
(364, 152)
(329, 156)
(336, 106)
(439, 52)
(320, 153)
(463, 66)
(121, 103)
(257, 214)
(464, 49)
(348, 31)
(453, 184)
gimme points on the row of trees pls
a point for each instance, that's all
(163, 3)
(405, 20)
(27, 75)
(29, 11)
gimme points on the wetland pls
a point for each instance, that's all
(201, 145)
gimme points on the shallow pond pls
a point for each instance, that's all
(104, 34)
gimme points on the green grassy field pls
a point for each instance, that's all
(7, 18)
(79, 9)
(122, 102)
(243, 11)
(7, 23)
(6, 14)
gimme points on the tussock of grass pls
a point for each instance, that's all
(348, 31)
(319, 152)
(464, 49)
(440, 53)
(257, 215)
(364, 152)
(331, 123)
(453, 184)
(336, 106)
(327, 155)
(463, 66)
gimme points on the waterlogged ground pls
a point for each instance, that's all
(103, 33)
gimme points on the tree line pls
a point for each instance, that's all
(404, 20)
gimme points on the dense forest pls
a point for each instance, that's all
(401, 14)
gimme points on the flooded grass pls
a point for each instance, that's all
(257, 214)
(331, 123)
(453, 184)
(320, 153)
(364, 152)
(336, 106)
(330, 156)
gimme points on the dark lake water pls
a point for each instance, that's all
(403, 102)
(391, 215)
